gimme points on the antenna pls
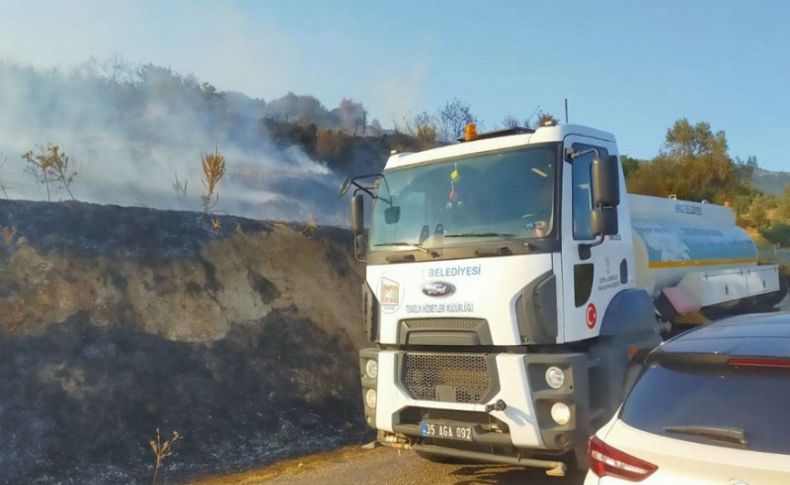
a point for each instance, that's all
(566, 111)
(533, 114)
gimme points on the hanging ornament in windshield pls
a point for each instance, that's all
(453, 197)
(454, 177)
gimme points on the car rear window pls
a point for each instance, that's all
(751, 399)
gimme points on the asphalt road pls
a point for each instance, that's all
(354, 465)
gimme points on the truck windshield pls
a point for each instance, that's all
(506, 194)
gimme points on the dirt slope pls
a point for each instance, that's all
(115, 321)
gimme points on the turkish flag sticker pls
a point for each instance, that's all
(592, 316)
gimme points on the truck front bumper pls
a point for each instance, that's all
(406, 398)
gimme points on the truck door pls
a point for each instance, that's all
(590, 280)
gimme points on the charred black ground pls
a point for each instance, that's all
(233, 401)
(79, 402)
(129, 232)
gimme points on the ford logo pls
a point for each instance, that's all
(438, 288)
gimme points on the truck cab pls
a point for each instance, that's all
(500, 296)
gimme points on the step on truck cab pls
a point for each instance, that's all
(509, 280)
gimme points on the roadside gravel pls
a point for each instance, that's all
(354, 465)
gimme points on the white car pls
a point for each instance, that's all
(711, 406)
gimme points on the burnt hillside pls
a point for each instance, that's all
(115, 321)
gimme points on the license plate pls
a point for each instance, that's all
(446, 431)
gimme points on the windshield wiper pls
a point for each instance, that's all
(408, 244)
(503, 235)
(732, 436)
(482, 234)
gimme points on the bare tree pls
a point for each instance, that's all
(454, 116)
(547, 119)
(375, 128)
(180, 187)
(509, 121)
(424, 127)
(2, 177)
(51, 165)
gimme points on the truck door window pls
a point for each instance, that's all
(582, 196)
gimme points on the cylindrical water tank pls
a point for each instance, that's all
(674, 237)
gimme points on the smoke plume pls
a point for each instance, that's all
(133, 129)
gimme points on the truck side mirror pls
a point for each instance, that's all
(605, 181)
(604, 221)
(358, 225)
(357, 214)
(343, 189)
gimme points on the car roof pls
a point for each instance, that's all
(763, 335)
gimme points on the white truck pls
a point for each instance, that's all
(509, 281)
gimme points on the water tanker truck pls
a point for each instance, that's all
(509, 281)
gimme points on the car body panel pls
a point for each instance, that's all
(681, 461)
(761, 334)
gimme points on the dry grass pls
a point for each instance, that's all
(9, 235)
(213, 170)
(216, 224)
(162, 450)
(310, 227)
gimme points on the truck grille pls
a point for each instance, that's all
(464, 378)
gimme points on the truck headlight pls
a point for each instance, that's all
(372, 369)
(370, 398)
(560, 413)
(555, 377)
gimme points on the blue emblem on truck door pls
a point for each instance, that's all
(438, 288)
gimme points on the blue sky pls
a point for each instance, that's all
(627, 67)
